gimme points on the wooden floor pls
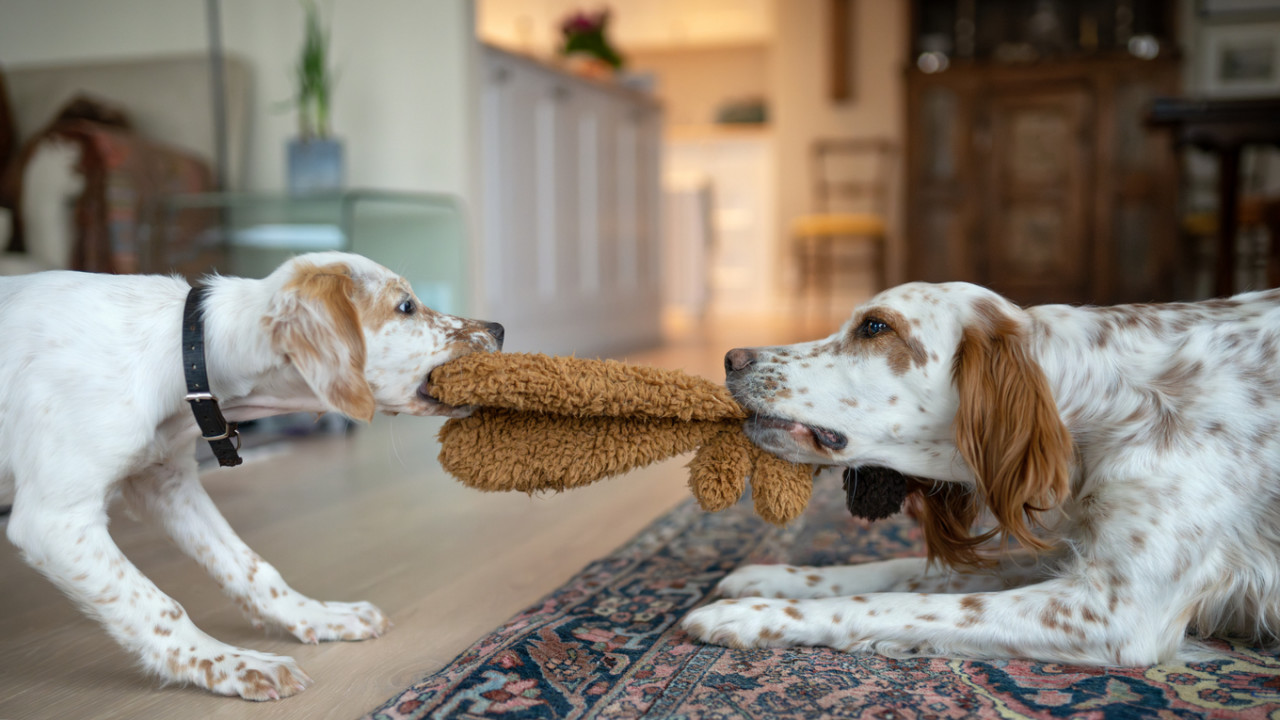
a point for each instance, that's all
(366, 517)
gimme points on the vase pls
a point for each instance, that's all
(315, 165)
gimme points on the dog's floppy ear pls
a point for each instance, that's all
(315, 326)
(1007, 427)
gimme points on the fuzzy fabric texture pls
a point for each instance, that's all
(553, 423)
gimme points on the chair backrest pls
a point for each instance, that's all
(852, 174)
(166, 97)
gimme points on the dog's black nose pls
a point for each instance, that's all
(739, 359)
(497, 331)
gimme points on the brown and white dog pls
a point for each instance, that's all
(92, 402)
(1132, 451)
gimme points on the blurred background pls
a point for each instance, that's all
(600, 176)
(652, 180)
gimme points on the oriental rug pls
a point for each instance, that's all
(607, 645)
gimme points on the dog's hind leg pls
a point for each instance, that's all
(63, 535)
(171, 493)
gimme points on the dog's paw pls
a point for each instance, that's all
(314, 621)
(234, 671)
(747, 623)
(776, 581)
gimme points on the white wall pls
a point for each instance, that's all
(802, 112)
(40, 31)
(405, 103)
(532, 26)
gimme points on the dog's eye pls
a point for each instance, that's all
(406, 307)
(872, 327)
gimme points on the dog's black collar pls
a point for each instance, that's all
(220, 434)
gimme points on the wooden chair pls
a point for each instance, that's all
(851, 179)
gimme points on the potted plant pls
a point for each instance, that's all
(586, 45)
(314, 157)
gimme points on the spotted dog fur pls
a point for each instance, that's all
(91, 403)
(1132, 452)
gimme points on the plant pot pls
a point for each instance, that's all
(315, 165)
(588, 66)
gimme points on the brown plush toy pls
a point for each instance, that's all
(551, 423)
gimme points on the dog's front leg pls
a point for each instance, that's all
(910, 574)
(70, 545)
(172, 495)
(795, 581)
(1056, 621)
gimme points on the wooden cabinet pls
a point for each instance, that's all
(1041, 182)
(571, 222)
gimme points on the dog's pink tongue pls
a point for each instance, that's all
(799, 431)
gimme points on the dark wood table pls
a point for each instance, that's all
(1222, 127)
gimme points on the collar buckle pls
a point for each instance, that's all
(222, 436)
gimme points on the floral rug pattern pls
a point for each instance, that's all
(606, 645)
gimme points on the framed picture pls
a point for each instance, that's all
(1242, 60)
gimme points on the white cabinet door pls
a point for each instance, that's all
(571, 210)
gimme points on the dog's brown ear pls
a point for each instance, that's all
(1007, 427)
(316, 327)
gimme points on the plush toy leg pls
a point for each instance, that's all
(780, 489)
(718, 471)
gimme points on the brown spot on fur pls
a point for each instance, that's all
(255, 684)
(321, 335)
(769, 634)
(900, 348)
(794, 613)
(1178, 378)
